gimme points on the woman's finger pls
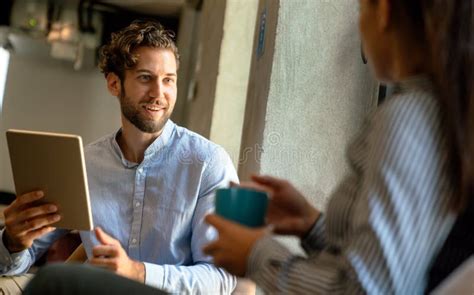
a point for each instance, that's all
(267, 180)
(211, 248)
(218, 222)
(255, 186)
(288, 226)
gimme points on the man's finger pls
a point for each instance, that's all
(104, 263)
(104, 238)
(37, 211)
(105, 250)
(39, 222)
(33, 235)
(27, 198)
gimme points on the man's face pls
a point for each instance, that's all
(148, 93)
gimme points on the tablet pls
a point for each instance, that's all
(53, 163)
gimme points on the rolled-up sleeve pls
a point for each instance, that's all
(20, 262)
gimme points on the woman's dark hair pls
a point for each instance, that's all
(118, 55)
(447, 27)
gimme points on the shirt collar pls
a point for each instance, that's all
(160, 142)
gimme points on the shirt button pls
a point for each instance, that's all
(140, 170)
(137, 204)
(134, 241)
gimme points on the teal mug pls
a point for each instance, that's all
(244, 206)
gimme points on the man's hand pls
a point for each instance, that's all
(112, 256)
(233, 247)
(288, 211)
(26, 221)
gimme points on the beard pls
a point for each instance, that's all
(133, 113)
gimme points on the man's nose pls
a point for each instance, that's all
(156, 90)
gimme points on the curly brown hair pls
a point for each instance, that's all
(118, 55)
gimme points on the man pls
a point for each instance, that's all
(151, 183)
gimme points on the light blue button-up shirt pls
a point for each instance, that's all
(155, 209)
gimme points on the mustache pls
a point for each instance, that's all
(157, 102)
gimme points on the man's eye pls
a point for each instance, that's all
(169, 80)
(144, 78)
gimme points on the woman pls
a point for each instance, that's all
(412, 168)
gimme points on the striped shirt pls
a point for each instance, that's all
(388, 218)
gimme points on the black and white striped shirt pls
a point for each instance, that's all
(388, 218)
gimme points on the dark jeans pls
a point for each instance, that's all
(83, 279)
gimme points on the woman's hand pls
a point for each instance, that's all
(288, 211)
(232, 249)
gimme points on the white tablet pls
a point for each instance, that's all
(53, 163)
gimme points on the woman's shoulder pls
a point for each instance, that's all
(412, 111)
(407, 126)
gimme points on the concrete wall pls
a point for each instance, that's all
(258, 88)
(233, 78)
(187, 46)
(215, 101)
(200, 105)
(46, 94)
(318, 94)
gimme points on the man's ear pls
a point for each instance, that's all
(113, 84)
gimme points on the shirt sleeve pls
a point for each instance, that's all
(398, 219)
(202, 277)
(315, 240)
(20, 262)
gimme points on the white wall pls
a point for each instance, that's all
(233, 77)
(308, 96)
(320, 92)
(187, 46)
(215, 103)
(200, 105)
(48, 95)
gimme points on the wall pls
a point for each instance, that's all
(200, 106)
(46, 94)
(215, 101)
(318, 94)
(258, 88)
(187, 47)
(233, 78)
